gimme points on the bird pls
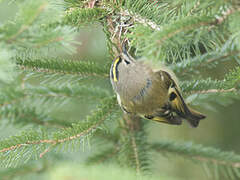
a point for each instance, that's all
(149, 93)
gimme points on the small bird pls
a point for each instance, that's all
(148, 93)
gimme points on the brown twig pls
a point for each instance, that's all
(136, 155)
(91, 3)
(133, 125)
(225, 14)
(141, 20)
(46, 150)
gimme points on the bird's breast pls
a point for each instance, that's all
(142, 92)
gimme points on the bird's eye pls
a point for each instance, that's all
(127, 62)
(172, 96)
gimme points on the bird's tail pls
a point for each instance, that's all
(182, 109)
(194, 117)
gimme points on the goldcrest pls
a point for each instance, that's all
(151, 94)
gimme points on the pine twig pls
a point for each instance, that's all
(103, 156)
(198, 152)
(63, 67)
(136, 155)
(232, 53)
(26, 26)
(133, 125)
(53, 142)
(22, 171)
(214, 91)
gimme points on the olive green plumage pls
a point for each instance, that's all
(151, 94)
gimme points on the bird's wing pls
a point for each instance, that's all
(176, 104)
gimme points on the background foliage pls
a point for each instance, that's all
(57, 108)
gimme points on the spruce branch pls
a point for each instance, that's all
(226, 14)
(166, 30)
(175, 41)
(63, 66)
(59, 79)
(210, 59)
(103, 156)
(108, 154)
(102, 138)
(134, 148)
(133, 152)
(79, 130)
(138, 19)
(108, 39)
(7, 67)
(79, 17)
(204, 86)
(21, 106)
(153, 13)
(73, 4)
(183, 25)
(230, 84)
(49, 41)
(30, 30)
(132, 125)
(198, 152)
(136, 154)
(22, 114)
(214, 91)
(28, 23)
(155, 44)
(186, 24)
(11, 173)
(146, 12)
(70, 91)
(111, 137)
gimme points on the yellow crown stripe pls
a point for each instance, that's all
(114, 69)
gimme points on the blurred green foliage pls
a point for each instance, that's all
(220, 129)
